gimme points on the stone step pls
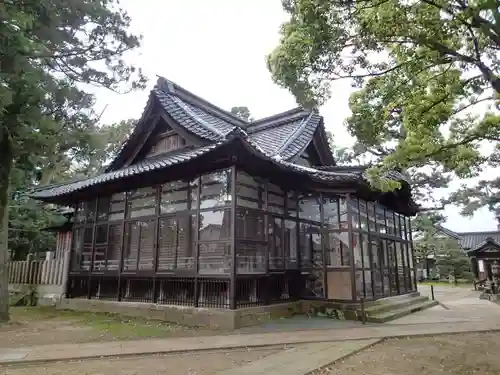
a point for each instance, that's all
(387, 305)
(400, 312)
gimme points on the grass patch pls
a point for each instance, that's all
(110, 325)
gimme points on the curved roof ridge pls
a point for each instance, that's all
(195, 117)
(168, 86)
(294, 135)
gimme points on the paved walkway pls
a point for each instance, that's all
(49, 353)
(458, 304)
(312, 357)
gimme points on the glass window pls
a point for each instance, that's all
(310, 243)
(90, 211)
(176, 243)
(167, 243)
(275, 199)
(215, 225)
(174, 197)
(354, 207)
(146, 245)
(276, 243)
(80, 212)
(363, 214)
(186, 242)
(389, 215)
(343, 213)
(103, 204)
(291, 204)
(141, 202)
(249, 224)
(215, 258)
(249, 191)
(371, 217)
(331, 212)
(380, 216)
(77, 249)
(215, 189)
(131, 246)
(290, 242)
(117, 207)
(87, 248)
(114, 247)
(310, 208)
(250, 257)
(333, 250)
(101, 245)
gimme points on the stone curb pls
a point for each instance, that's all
(29, 362)
(347, 355)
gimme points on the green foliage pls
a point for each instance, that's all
(242, 112)
(420, 67)
(453, 262)
(50, 51)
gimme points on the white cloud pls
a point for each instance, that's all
(217, 50)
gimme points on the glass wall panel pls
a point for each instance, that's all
(333, 250)
(186, 242)
(167, 244)
(309, 208)
(250, 224)
(275, 199)
(100, 247)
(215, 258)
(114, 246)
(249, 191)
(251, 257)
(309, 243)
(174, 197)
(343, 214)
(276, 243)
(291, 204)
(215, 225)
(331, 212)
(291, 245)
(117, 207)
(215, 189)
(141, 202)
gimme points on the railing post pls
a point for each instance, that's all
(432, 292)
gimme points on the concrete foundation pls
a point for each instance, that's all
(191, 316)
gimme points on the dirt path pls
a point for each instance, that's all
(452, 354)
(186, 364)
(45, 326)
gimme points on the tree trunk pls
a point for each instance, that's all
(5, 170)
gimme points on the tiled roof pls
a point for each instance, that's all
(186, 155)
(278, 139)
(471, 240)
(162, 161)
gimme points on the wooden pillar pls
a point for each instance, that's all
(232, 285)
(350, 232)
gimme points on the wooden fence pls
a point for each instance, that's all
(38, 272)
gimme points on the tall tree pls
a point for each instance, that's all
(421, 67)
(48, 48)
(242, 112)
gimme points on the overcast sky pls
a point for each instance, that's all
(217, 49)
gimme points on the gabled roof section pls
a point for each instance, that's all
(470, 240)
(489, 244)
(192, 113)
(288, 134)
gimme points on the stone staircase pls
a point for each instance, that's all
(386, 309)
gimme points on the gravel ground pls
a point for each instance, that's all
(186, 364)
(45, 326)
(472, 353)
